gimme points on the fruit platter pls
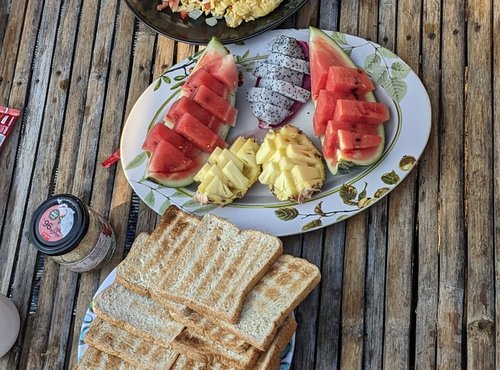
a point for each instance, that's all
(288, 132)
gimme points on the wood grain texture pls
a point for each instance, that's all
(428, 197)
(451, 214)
(375, 285)
(330, 313)
(496, 169)
(307, 312)
(479, 188)
(353, 293)
(401, 225)
(14, 95)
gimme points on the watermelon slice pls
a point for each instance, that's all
(325, 108)
(217, 106)
(360, 111)
(349, 140)
(348, 80)
(324, 54)
(204, 78)
(175, 159)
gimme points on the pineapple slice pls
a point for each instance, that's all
(291, 165)
(229, 173)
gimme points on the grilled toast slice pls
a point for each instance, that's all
(151, 258)
(118, 342)
(94, 359)
(137, 314)
(266, 307)
(269, 360)
(218, 268)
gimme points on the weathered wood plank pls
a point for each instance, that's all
(12, 38)
(401, 225)
(451, 215)
(17, 220)
(122, 192)
(308, 14)
(375, 285)
(4, 14)
(353, 291)
(307, 312)
(428, 187)
(479, 188)
(496, 170)
(77, 94)
(387, 23)
(61, 323)
(329, 15)
(349, 13)
(377, 232)
(19, 70)
(46, 158)
(328, 338)
(114, 108)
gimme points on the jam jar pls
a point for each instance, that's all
(72, 234)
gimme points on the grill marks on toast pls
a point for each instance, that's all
(143, 265)
(205, 350)
(118, 342)
(139, 315)
(266, 307)
(95, 359)
(218, 267)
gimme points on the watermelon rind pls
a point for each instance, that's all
(344, 162)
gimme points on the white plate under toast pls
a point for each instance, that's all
(286, 356)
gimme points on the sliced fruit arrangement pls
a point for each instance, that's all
(198, 122)
(229, 173)
(348, 119)
(283, 82)
(291, 165)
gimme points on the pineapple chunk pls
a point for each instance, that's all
(265, 151)
(291, 165)
(202, 172)
(236, 178)
(218, 192)
(229, 173)
(247, 153)
(213, 156)
(284, 186)
(270, 173)
(238, 143)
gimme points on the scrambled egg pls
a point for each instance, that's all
(234, 11)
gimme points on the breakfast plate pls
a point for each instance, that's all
(197, 31)
(342, 196)
(286, 356)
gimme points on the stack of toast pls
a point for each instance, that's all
(199, 294)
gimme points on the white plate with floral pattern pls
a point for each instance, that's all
(342, 196)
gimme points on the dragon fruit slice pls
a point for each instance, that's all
(287, 46)
(287, 89)
(261, 95)
(295, 64)
(269, 113)
(266, 70)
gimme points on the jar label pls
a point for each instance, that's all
(103, 250)
(56, 222)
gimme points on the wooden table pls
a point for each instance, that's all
(409, 283)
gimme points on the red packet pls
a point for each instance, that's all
(8, 117)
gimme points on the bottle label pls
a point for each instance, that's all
(103, 249)
(56, 222)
